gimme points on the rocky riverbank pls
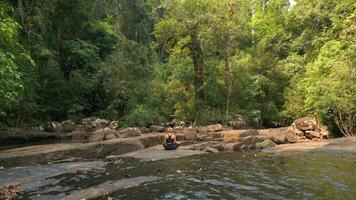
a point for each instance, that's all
(100, 138)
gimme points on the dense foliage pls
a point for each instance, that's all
(204, 61)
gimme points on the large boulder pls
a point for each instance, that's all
(215, 128)
(305, 124)
(157, 129)
(68, 126)
(129, 132)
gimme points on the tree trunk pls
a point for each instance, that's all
(227, 69)
(196, 53)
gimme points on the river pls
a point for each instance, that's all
(250, 175)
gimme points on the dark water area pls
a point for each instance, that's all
(252, 175)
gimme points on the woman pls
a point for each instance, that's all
(170, 140)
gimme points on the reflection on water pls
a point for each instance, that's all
(313, 175)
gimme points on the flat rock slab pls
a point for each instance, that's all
(43, 154)
(339, 144)
(108, 187)
(33, 177)
(158, 153)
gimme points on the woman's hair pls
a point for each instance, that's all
(169, 129)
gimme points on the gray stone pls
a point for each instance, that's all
(129, 132)
(68, 126)
(157, 129)
(211, 150)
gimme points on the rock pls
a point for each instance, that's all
(291, 138)
(215, 128)
(265, 144)
(129, 132)
(68, 126)
(144, 129)
(100, 134)
(298, 132)
(305, 124)
(110, 136)
(243, 122)
(211, 150)
(229, 146)
(202, 129)
(157, 129)
(54, 127)
(236, 135)
(88, 120)
(101, 123)
(325, 133)
(79, 136)
(190, 135)
(114, 124)
(312, 134)
(178, 129)
(209, 136)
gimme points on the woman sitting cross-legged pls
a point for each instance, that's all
(170, 140)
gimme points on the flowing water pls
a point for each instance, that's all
(253, 175)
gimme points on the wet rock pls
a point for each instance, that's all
(129, 132)
(312, 134)
(68, 126)
(114, 124)
(157, 129)
(211, 150)
(265, 144)
(215, 128)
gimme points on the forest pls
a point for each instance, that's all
(204, 61)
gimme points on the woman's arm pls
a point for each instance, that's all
(165, 139)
